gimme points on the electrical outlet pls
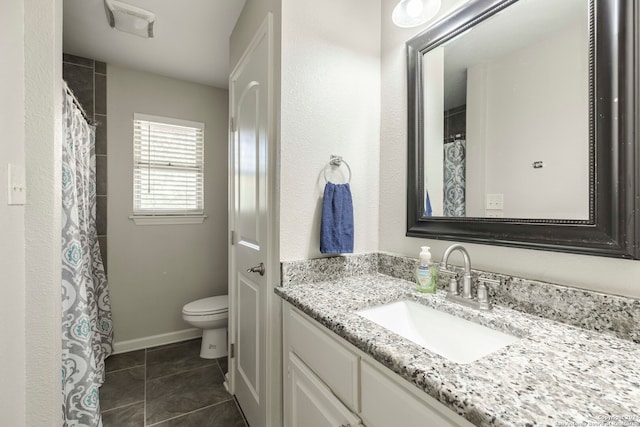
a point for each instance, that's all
(494, 201)
(494, 213)
(16, 189)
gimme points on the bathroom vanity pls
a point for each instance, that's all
(342, 369)
(331, 382)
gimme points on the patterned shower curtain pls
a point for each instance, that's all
(454, 178)
(87, 332)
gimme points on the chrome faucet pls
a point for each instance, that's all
(482, 302)
(466, 278)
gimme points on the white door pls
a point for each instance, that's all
(250, 258)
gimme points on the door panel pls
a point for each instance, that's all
(248, 342)
(248, 197)
(249, 218)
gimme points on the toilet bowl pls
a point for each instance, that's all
(210, 315)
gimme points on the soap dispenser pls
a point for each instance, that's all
(425, 274)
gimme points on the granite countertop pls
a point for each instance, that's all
(555, 375)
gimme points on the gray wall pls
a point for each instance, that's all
(155, 270)
(88, 81)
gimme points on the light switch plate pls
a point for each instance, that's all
(17, 192)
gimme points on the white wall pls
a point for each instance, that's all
(536, 109)
(330, 105)
(597, 273)
(43, 138)
(12, 304)
(476, 170)
(433, 77)
(155, 270)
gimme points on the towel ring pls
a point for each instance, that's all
(337, 161)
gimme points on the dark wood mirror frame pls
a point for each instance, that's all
(613, 228)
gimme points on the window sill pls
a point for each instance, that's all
(167, 219)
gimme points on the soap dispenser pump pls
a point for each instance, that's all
(425, 276)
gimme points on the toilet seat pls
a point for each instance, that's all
(207, 306)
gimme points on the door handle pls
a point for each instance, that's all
(257, 269)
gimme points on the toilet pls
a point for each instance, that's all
(210, 315)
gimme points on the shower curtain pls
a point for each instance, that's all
(454, 178)
(87, 333)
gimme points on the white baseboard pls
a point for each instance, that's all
(155, 340)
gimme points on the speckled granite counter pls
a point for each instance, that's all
(556, 375)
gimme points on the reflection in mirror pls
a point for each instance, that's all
(506, 116)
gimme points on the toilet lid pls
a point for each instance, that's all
(208, 305)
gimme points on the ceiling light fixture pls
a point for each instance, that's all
(129, 19)
(411, 13)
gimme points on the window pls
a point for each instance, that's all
(168, 170)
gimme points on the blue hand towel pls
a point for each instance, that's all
(428, 211)
(336, 229)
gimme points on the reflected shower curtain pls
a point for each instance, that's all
(454, 178)
(87, 332)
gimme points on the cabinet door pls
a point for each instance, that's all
(310, 403)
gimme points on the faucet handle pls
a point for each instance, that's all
(453, 280)
(483, 295)
(453, 287)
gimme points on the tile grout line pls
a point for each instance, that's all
(144, 412)
(171, 345)
(124, 369)
(244, 418)
(79, 65)
(120, 407)
(191, 412)
(221, 371)
(184, 372)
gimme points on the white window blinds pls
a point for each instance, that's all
(168, 166)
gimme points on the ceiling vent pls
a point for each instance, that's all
(129, 19)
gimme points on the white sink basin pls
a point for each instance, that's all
(452, 337)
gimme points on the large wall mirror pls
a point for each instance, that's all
(522, 126)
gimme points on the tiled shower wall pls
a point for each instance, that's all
(88, 81)
(455, 121)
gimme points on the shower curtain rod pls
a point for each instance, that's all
(77, 104)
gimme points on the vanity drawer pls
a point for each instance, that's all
(329, 360)
(386, 403)
(311, 402)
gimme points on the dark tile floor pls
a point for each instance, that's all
(167, 386)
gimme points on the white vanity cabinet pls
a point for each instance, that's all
(329, 382)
